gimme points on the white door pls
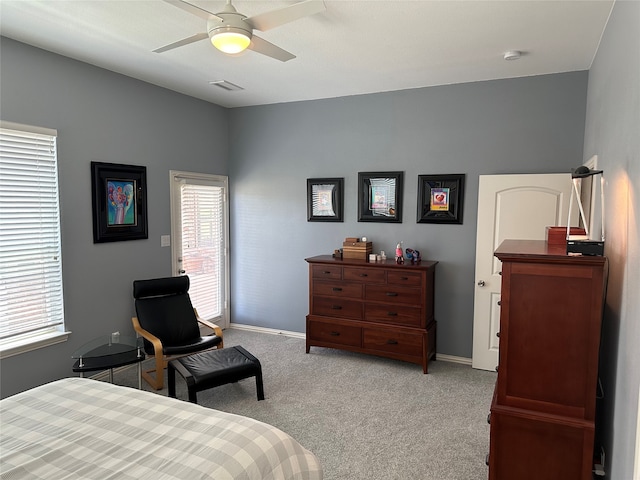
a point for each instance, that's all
(199, 233)
(518, 207)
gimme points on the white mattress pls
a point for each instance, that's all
(78, 428)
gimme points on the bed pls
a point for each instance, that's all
(78, 428)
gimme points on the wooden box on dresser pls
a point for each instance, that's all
(543, 409)
(380, 308)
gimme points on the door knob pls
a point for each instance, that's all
(481, 283)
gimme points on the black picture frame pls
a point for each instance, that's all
(440, 198)
(119, 202)
(325, 199)
(380, 196)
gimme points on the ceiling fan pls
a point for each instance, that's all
(232, 32)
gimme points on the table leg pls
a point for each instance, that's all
(111, 375)
(139, 375)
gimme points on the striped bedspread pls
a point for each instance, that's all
(77, 428)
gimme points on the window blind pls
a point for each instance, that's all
(31, 299)
(202, 246)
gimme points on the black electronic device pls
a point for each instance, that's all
(585, 247)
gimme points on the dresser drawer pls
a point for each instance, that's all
(334, 333)
(384, 340)
(364, 275)
(393, 314)
(326, 271)
(392, 294)
(519, 439)
(337, 289)
(409, 279)
(337, 307)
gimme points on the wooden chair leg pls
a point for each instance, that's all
(157, 381)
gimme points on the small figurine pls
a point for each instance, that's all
(399, 255)
(413, 255)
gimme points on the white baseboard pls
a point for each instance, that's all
(104, 375)
(303, 336)
(270, 331)
(453, 359)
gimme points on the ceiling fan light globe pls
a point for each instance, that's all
(230, 42)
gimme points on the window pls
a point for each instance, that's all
(31, 301)
(199, 227)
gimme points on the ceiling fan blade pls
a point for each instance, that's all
(185, 41)
(260, 45)
(188, 7)
(275, 18)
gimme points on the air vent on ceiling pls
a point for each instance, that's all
(226, 85)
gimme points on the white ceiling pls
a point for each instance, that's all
(353, 47)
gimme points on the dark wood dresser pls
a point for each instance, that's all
(379, 308)
(543, 409)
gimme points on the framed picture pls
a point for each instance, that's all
(380, 197)
(325, 199)
(119, 202)
(440, 198)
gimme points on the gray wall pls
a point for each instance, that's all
(106, 117)
(527, 125)
(613, 133)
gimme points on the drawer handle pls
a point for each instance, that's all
(337, 289)
(391, 341)
(336, 307)
(392, 294)
(404, 278)
(327, 272)
(392, 314)
(334, 334)
(364, 275)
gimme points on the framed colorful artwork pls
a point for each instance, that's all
(440, 198)
(380, 197)
(119, 202)
(325, 199)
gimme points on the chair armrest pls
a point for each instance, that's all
(155, 341)
(217, 330)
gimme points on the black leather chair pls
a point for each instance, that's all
(169, 324)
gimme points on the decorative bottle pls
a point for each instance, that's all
(399, 254)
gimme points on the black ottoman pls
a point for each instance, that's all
(213, 368)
